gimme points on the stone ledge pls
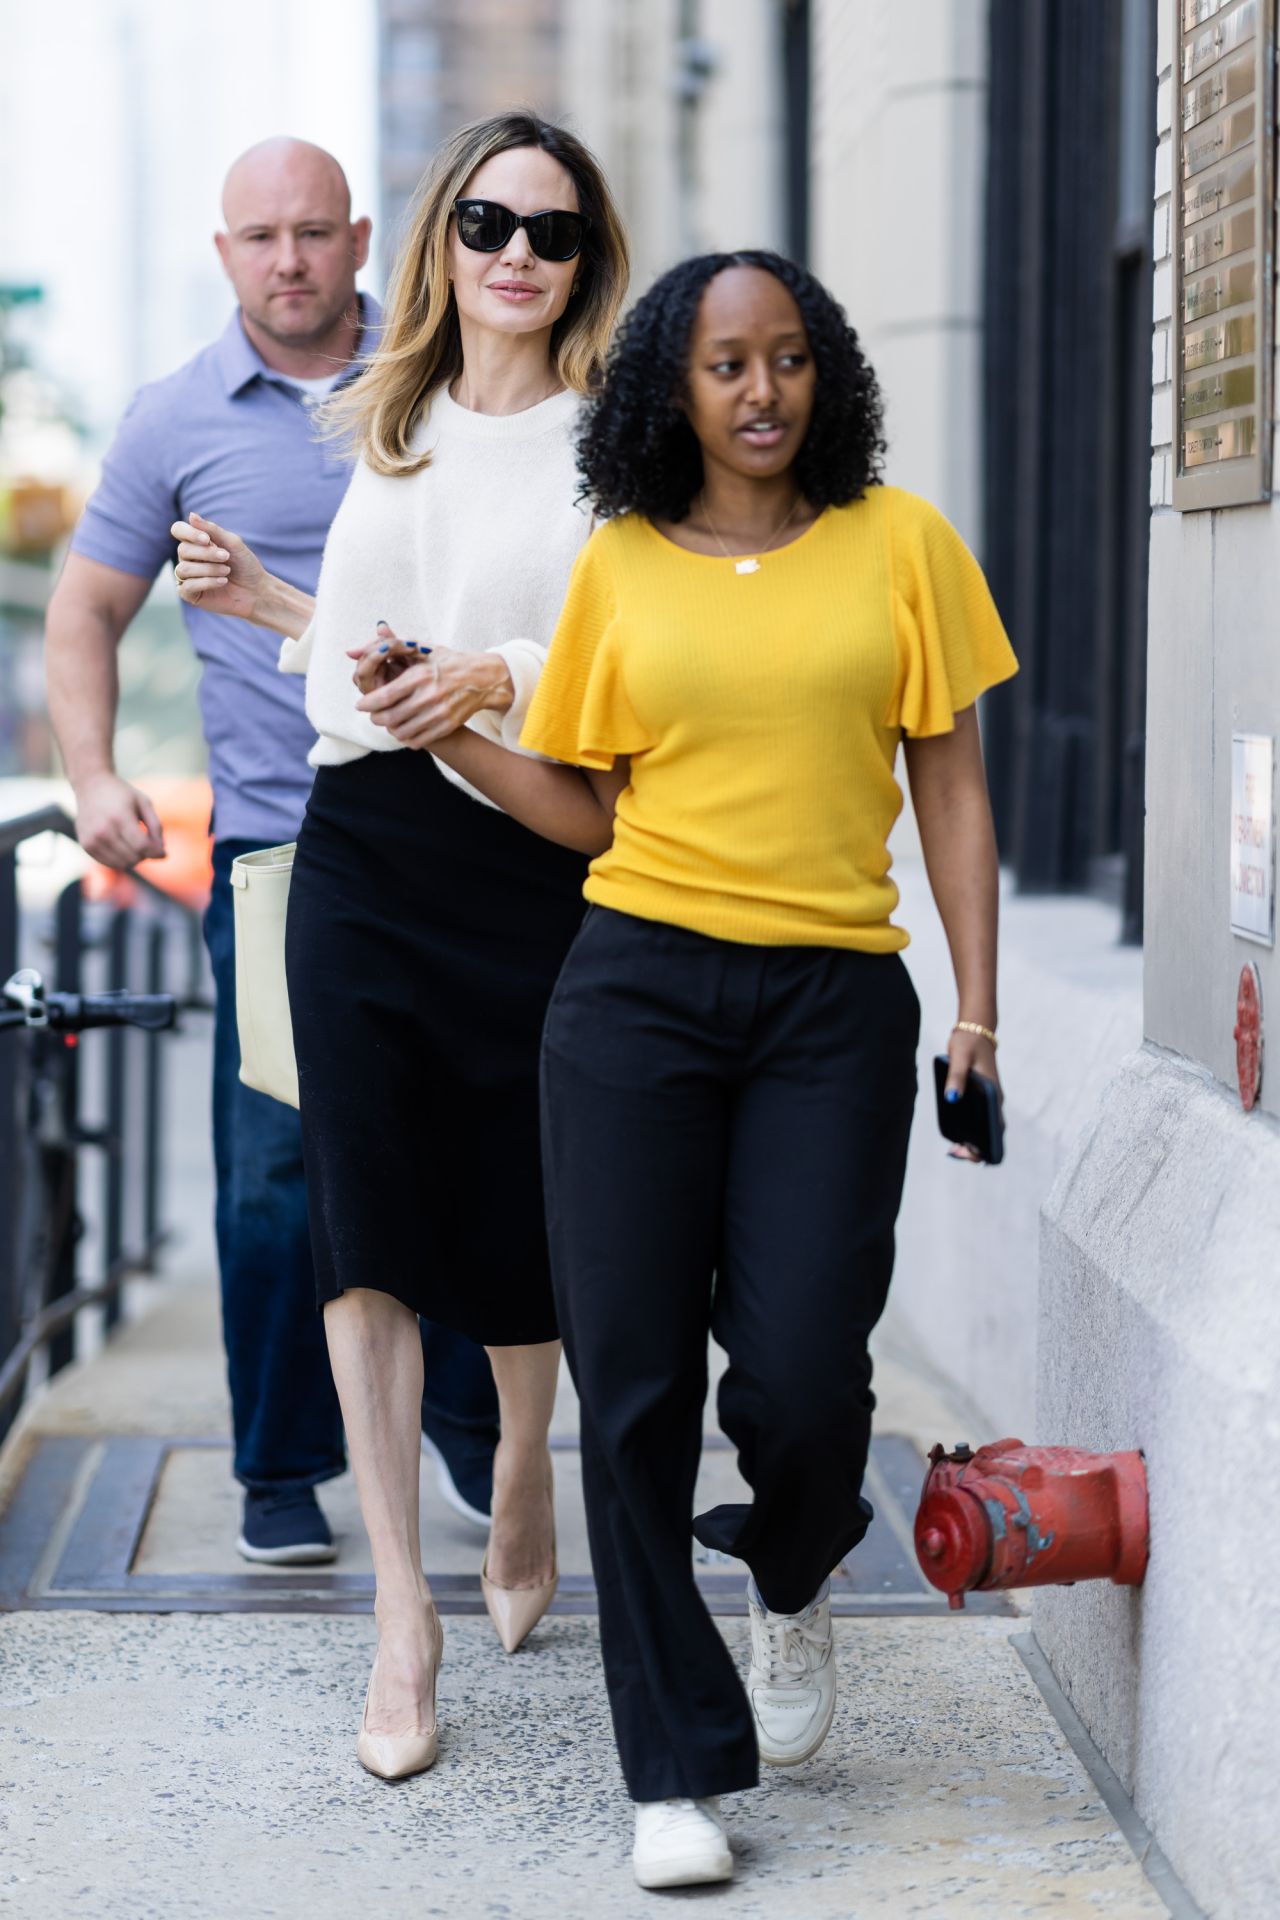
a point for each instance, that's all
(1158, 1324)
(1174, 1192)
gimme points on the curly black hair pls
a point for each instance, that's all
(637, 452)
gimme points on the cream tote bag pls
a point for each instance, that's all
(260, 892)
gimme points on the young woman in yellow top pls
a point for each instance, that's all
(729, 1057)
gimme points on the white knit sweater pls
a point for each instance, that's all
(473, 552)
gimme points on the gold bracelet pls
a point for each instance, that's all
(971, 1026)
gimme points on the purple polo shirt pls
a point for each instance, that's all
(227, 437)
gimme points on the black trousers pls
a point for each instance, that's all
(724, 1143)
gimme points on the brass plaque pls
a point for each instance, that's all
(1207, 145)
(1219, 391)
(1227, 341)
(1218, 241)
(1228, 440)
(1229, 31)
(1232, 81)
(1210, 193)
(1218, 290)
(1224, 142)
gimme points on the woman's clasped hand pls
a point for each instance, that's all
(422, 693)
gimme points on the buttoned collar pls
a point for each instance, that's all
(240, 363)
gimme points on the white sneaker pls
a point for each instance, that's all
(792, 1682)
(680, 1843)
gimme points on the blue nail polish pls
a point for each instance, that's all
(383, 647)
(951, 1096)
(411, 646)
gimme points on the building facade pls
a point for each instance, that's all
(1160, 1318)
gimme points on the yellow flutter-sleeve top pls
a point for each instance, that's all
(762, 713)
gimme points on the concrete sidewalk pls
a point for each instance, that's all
(195, 1766)
(177, 1730)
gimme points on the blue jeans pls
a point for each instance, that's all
(284, 1407)
(457, 1383)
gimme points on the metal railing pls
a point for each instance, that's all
(143, 940)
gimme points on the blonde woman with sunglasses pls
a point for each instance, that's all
(426, 927)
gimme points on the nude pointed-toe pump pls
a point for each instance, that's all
(394, 1756)
(516, 1611)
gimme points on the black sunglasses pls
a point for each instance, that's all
(485, 227)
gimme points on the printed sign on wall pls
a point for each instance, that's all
(1253, 840)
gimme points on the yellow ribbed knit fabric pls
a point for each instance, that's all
(762, 713)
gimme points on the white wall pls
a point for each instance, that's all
(899, 146)
(622, 67)
(119, 119)
(740, 129)
(619, 97)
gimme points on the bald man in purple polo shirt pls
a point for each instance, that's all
(229, 436)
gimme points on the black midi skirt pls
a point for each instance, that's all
(424, 936)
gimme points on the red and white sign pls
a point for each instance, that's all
(1253, 839)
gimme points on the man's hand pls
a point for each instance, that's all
(420, 694)
(116, 823)
(217, 571)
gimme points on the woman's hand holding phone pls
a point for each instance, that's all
(966, 1053)
(422, 694)
(383, 659)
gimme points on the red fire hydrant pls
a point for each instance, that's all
(1015, 1516)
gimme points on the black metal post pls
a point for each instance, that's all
(61, 1163)
(9, 1166)
(116, 1145)
(797, 58)
(153, 1103)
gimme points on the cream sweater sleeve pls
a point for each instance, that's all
(295, 655)
(525, 660)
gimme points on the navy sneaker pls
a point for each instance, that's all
(464, 1465)
(285, 1529)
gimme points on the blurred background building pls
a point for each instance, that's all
(444, 62)
(119, 119)
(975, 180)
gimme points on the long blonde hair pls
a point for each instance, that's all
(420, 347)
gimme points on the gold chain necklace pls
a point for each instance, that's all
(750, 563)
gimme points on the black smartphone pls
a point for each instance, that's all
(975, 1119)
